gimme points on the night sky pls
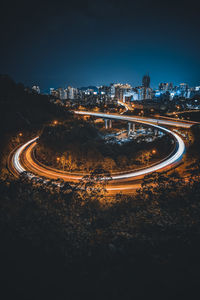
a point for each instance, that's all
(82, 43)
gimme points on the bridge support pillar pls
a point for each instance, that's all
(110, 123)
(133, 127)
(106, 123)
(129, 128)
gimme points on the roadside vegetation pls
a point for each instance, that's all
(23, 114)
(78, 145)
(73, 235)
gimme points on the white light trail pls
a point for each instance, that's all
(16, 157)
(136, 119)
(177, 156)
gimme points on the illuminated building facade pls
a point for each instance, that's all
(36, 89)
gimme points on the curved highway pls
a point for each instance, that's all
(144, 120)
(23, 160)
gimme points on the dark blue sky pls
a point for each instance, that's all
(82, 43)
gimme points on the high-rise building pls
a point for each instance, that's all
(144, 93)
(146, 81)
(51, 90)
(120, 89)
(104, 90)
(62, 94)
(119, 93)
(183, 87)
(195, 91)
(36, 89)
(72, 92)
(170, 86)
(130, 95)
(112, 90)
(54, 93)
(166, 86)
(163, 86)
(145, 90)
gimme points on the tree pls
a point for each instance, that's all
(92, 187)
(63, 161)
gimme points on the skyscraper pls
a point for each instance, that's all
(183, 87)
(146, 90)
(72, 92)
(146, 81)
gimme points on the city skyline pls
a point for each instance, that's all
(132, 84)
(63, 83)
(168, 85)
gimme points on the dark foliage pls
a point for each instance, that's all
(21, 109)
(83, 144)
(146, 245)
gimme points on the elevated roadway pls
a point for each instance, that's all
(23, 159)
(136, 119)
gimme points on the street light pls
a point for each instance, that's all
(153, 151)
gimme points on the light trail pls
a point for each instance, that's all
(16, 157)
(184, 112)
(143, 120)
(176, 157)
(36, 169)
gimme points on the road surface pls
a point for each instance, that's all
(23, 160)
(144, 120)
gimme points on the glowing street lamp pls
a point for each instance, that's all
(153, 151)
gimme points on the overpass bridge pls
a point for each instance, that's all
(145, 120)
